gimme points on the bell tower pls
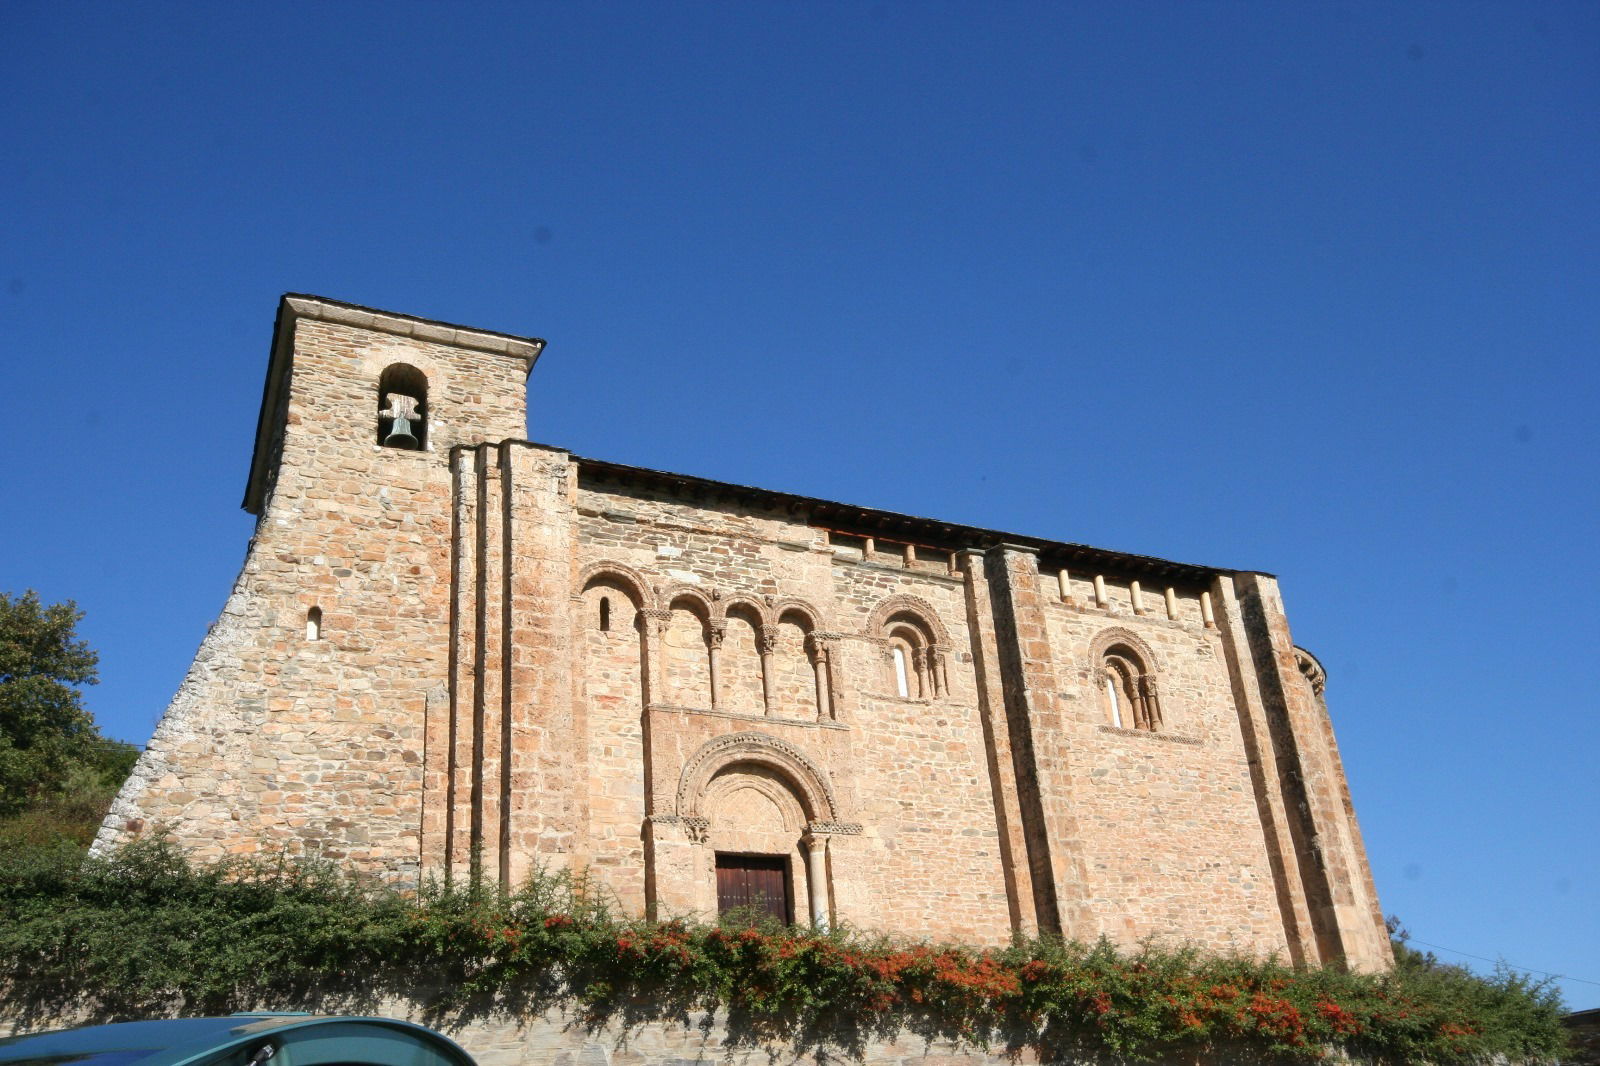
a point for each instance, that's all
(350, 390)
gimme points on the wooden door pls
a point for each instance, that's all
(760, 882)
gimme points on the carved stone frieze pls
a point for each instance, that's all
(842, 829)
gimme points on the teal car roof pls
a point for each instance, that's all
(293, 1040)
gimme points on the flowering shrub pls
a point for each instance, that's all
(144, 932)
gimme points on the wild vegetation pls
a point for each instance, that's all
(144, 931)
(57, 772)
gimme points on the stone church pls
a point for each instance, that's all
(455, 651)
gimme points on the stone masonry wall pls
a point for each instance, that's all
(551, 1038)
(525, 658)
(316, 746)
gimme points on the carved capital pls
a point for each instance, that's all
(658, 615)
(715, 632)
(768, 639)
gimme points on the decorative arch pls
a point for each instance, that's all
(704, 604)
(739, 660)
(917, 607)
(1107, 639)
(631, 580)
(741, 603)
(1124, 671)
(916, 647)
(811, 785)
(779, 608)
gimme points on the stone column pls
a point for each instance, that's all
(819, 666)
(653, 623)
(769, 644)
(832, 672)
(816, 844)
(714, 634)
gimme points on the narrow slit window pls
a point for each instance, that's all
(605, 614)
(314, 624)
(1111, 698)
(901, 682)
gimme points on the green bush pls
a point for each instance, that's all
(145, 932)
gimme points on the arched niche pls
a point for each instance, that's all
(403, 407)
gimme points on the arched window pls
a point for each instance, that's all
(605, 614)
(1129, 690)
(902, 674)
(403, 408)
(913, 672)
(314, 624)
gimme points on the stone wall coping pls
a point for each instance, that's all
(322, 309)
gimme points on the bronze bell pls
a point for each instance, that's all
(403, 411)
(400, 435)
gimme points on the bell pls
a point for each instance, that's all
(402, 411)
(400, 435)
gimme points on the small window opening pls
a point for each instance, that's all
(605, 614)
(902, 683)
(314, 624)
(403, 408)
(1132, 701)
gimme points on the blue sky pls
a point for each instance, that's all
(1309, 289)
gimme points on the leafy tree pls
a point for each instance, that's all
(51, 752)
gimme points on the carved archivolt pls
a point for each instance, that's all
(1311, 669)
(810, 783)
(1107, 639)
(621, 574)
(915, 606)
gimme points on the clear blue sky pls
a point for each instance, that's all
(1304, 288)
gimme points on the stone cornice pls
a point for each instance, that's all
(322, 309)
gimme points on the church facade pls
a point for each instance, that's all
(453, 651)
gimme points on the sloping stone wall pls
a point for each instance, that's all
(552, 1038)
